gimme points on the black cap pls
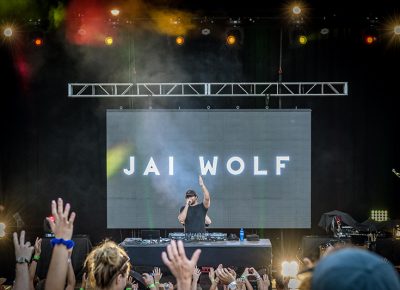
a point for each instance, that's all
(190, 193)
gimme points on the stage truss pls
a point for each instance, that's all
(278, 89)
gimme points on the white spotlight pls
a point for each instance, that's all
(296, 10)
(397, 30)
(115, 12)
(8, 32)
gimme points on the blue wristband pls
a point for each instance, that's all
(68, 243)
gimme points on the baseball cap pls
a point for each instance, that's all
(354, 269)
(190, 193)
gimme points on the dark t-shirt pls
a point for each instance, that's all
(195, 218)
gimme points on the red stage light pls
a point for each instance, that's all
(370, 39)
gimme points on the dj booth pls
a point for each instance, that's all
(236, 254)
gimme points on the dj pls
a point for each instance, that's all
(193, 214)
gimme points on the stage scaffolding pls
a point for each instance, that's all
(273, 89)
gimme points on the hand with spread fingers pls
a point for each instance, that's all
(196, 274)
(63, 224)
(265, 280)
(62, 227)
(180, 266)
(157, 274)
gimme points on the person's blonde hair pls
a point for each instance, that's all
(105, 262)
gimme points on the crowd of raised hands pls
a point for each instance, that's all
(108, 265)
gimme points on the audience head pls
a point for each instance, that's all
(351, 269)
(108, 266)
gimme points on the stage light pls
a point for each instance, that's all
(302, 39)
(296, 10)
(391, 30)
(396, 30)
(2, 230)
(290, 269)
(115, 12)
(180, 40)
(38, 41)
(370, 39)
(379, 215)
(234, 36)
(8, 32)
(108, 40)
(231, 39)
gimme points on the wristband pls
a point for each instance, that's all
(156, 282)
(232, 285)
(36, 257)
(152, 285)
(21, 260)
(81, 288)
(128, 288)
(68, 243)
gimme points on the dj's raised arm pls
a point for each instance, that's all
(206, 198)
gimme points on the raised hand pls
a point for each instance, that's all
(226, 276)
(240, 283)
(129, 283)
(255, 273)
(196, 274)
(201, 182)
(38, 246)
(265, 280)
(232, 272)
(63, 224)
(148, 279)
(23, 250)
(135, 286)
(157, 274)
(180, 266)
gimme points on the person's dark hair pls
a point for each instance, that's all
(190, 193)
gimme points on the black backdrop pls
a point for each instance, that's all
(54, 146)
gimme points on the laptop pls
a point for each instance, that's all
(150, 234)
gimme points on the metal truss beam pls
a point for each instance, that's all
(284, 89)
